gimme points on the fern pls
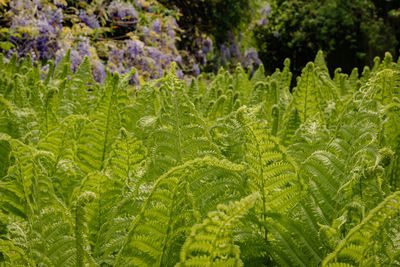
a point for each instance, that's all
(271, 171)
(150, 241)
(356, 246)
(99, 134)
(180, 134)
(307, 99)
(108, 175)
(211, 243)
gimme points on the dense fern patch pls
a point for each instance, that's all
(234, 171)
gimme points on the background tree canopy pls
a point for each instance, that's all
(352, 33)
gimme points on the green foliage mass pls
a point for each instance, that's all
(233, 171)
(352, 33)
(213, 17)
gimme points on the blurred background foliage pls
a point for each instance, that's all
(351, 33)
(200, 35)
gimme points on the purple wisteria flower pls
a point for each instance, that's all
(196, 69)
(38, 4)
(20, 5)
(84, 47)
(54, 17)
(207, 45)
(225, 54)
(22, 45)
(99, 73)
(123, 11)
(263, 22)
(154, 53)
(116, 54)
(76, 60)
(156, 26)
(201, 57)
(179, 74)
(134, 48)
(22, 20)
(91, 21)
(45, 28)
(266, 11)
(250, 58)
(166, 59)
(42, 45)
(178, 59)
(60, 4)
(235, 50)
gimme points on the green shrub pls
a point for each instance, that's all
(352, 33)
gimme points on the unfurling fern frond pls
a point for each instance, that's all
(360, 245)
(212, 242)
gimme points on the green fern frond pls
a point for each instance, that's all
(152, 241)
(307, 98)
(270, 169)
(291, 244)
(211, 243)
(357, 243)
(99, 134)
(180, 133)
(63, 68)
(13, 255)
